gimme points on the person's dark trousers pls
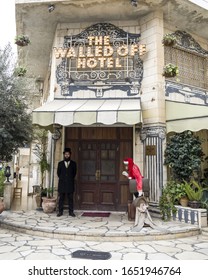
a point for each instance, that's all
(70, 202)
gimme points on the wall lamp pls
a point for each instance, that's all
(7, 172)
(40, 83)
(51, 8)
(134, 3)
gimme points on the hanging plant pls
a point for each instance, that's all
(169, 39)
(22, 40)
(20, 71)
(170, 70)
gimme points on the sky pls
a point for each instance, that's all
(7, 23)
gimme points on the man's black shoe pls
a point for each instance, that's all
(71, 214)
(59, 214)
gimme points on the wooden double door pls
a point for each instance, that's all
(99, 154)
(98, 179)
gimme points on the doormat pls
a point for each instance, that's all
(92, 255)
(96, 214)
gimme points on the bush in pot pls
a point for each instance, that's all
(168, 200)
(183, 155)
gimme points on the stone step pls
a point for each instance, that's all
(204, 231)
(154, 210)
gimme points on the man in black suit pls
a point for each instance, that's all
(66, 172)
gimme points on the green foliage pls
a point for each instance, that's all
(40, 150)
(20, 71)
(2, 180)
(22, 40)
(16, 124)
(168, 200)
(194, 191)
(169, 39)
(183, 154)
(170, 70)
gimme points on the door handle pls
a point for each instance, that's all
(97, 175)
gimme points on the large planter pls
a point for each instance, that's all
(2, 207)
(194, 204)
(49, 204)
(184, 201)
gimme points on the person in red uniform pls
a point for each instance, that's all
(133, 172)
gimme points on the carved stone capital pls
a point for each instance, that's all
(153, 131)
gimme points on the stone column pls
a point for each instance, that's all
(8, 195)
(153, 143)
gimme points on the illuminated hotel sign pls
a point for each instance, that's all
(99, 53)
(102, 54)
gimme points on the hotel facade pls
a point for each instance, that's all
(102, 91)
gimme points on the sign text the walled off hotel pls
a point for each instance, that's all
(99, 53)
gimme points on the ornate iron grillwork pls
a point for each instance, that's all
(126, 75)
(191, 59)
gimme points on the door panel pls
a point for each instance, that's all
(97, 175)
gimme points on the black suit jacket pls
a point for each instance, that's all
(66, 177)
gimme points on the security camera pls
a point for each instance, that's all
(51, 8)
(134, 3)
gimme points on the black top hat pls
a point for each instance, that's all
(67, 150)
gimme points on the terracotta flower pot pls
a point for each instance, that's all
(184, 201)
(2, 207)
(49, 204)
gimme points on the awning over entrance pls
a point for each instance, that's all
(183, 116)
(88, 111)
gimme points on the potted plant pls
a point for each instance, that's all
(181, 195)
(170, 70)
(167, 200)
(169, 39)
(194, 192)
(49, 202)
(40, 150)
(22, 40)
(20, 71)
(183, 155)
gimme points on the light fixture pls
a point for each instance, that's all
(7, 172)
(40, 84)
(134, 3)
(51, 8)
(57, 132)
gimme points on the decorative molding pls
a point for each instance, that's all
(185, 93)
(188, 43)
(153, 131)
(101, 29)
